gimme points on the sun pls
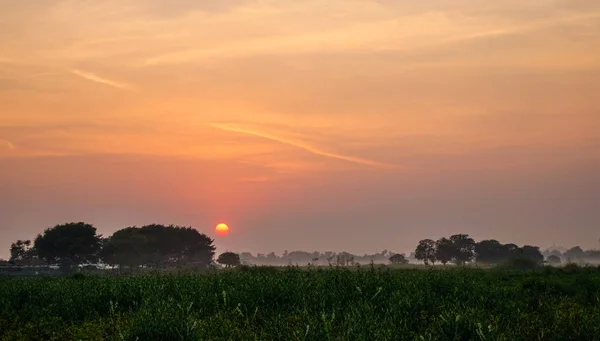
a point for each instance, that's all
(222, 229)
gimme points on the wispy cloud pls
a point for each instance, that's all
(300, 145)
(95, 78)
(5, 144)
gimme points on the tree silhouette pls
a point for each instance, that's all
(425, 251)
(444, 250)
(553, 260)
(463, 248)
(69, 244)
(344, 259)
(126, 248)
(491, 252)
(158, 246)
(398, 258)
(533, 253)
(22, 253)
(575, 253)
(229, 259)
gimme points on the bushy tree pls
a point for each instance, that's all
(490, 252)
(575, 253)
(69, 244)
(464, 248)
(229, 259)
(444, 250)
(533, 253)
(158, 246)
(398, 258)
(425, 251)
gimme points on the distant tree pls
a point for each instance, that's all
(22, 253)
(299, 257)
(511, 249)
(398, 259)
(425, 251)
(444, 250)
(492, 252)
(553, 260)
(554, 252)
(575, 253)
(464, 248)
(592, 254)
(229, 259)
(272, 258)
(533, 253)
(69, 244)
(247, 258)
(344, 259)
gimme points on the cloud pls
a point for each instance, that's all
(95, 78)
(5, 144)
(300, 145)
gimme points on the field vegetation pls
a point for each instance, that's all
(291, 303)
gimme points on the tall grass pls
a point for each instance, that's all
(314, 304)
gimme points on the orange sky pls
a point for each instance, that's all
(356, 125)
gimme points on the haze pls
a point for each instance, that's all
(352, 125)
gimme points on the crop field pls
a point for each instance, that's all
(301, 304)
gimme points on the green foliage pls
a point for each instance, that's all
(261, 303)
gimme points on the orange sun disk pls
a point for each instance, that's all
(222, 229)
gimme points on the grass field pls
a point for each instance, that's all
(296, 304)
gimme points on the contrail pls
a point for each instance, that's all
(95, 78)
(301, 145)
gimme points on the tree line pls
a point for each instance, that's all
(460, 249)
(165, 246)
(156, 246)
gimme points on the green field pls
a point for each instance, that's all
(300, 304)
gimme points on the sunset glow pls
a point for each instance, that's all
(302, 121)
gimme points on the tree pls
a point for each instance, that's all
(229, 259)
(69, 244)
(398, 259)
(553, 260)
(494, 252)
(575, 253)
(444, 250)
(344, 259)
(158, 246)
(426, 251)
(126, 248)
(463, 248)
(533, 253)
(22, 253)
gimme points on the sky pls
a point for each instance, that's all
(356, 125)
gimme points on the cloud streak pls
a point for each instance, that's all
(97, 79)
(300, 145)
(5, 144)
